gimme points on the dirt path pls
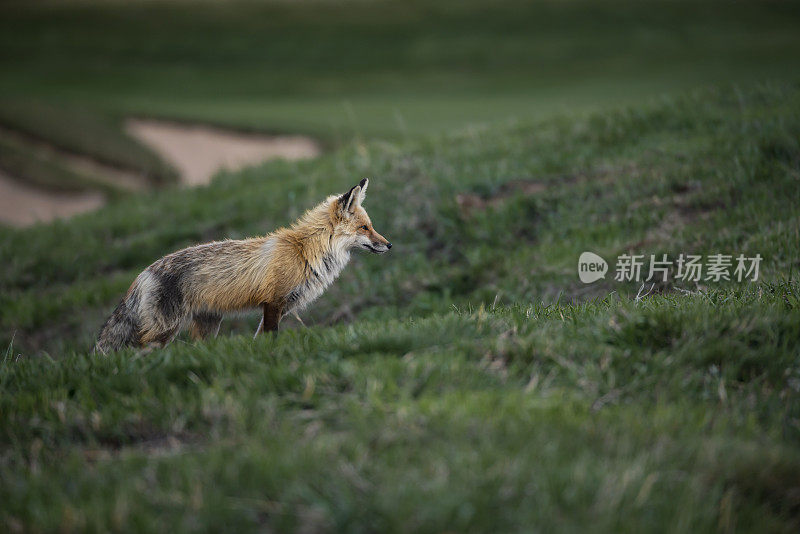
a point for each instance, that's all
(199, 152)
(23, 205)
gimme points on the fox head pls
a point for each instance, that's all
(354, 226)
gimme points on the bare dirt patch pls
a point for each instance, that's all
(23, 205)
(198, 152)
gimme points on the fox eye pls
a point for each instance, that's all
(364, 227)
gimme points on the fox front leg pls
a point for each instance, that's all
(270, 319)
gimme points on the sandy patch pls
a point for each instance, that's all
(199, 152)
(23, 205)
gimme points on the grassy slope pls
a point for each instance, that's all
(40, 166)
(715, 172)
(78, 129)
(680, 412)
(38, 169)
(72, 72)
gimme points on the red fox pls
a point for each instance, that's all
(280, 273)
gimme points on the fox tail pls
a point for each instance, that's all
(120, 330)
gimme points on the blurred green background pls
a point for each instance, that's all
(71, 71)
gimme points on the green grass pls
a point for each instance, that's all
(467, 381)
(390, 69)
(676, 413)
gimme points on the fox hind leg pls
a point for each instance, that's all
(160, 337)
(160, 326)
(205, 325)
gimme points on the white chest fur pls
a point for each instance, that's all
(318, 277)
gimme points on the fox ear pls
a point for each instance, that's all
(353, 198)
(363, 184)
(350, 201)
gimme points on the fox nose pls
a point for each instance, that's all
(388, 245)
